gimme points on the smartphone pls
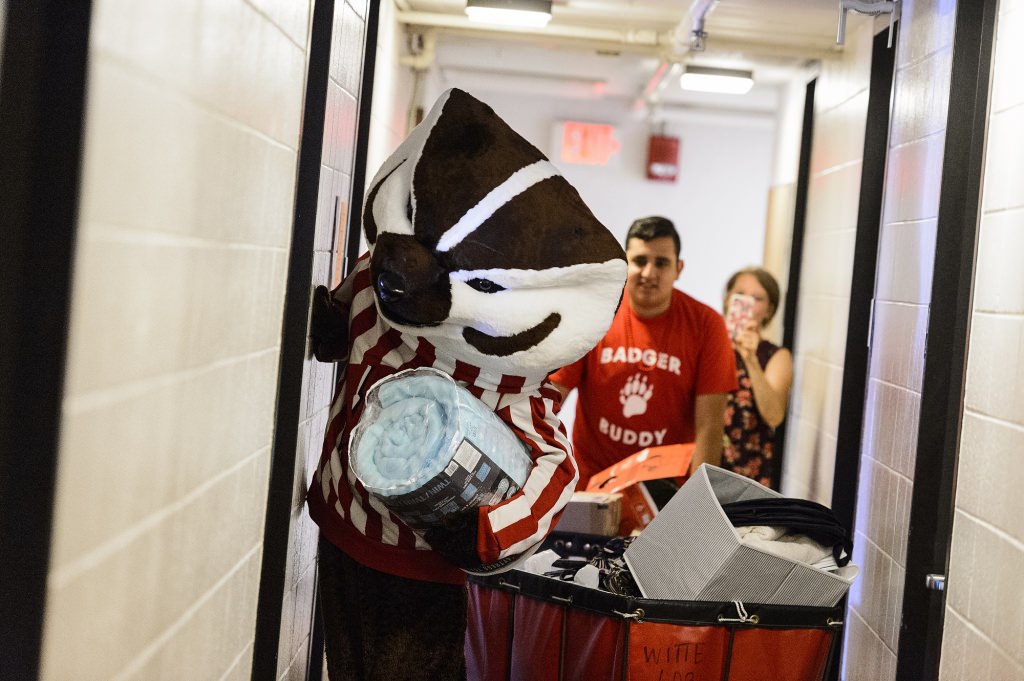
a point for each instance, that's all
(738, 312)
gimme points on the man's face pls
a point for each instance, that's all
(653, 268)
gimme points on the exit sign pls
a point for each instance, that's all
(587, 143)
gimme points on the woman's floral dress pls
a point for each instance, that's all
(749, 441)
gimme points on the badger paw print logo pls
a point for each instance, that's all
(635, 395)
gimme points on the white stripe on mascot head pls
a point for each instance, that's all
(479, 245)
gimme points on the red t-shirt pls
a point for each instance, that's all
(638, 386)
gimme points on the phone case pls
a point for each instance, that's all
(739, 311)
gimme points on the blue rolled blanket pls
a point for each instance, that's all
(426, 447)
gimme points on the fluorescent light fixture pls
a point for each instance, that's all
(531, 13)
(712, 79)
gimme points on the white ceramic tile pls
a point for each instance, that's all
(987, 486)
(1004, 667)
(993, 366)
(824, 469)
(927, 27)
(913, 177)
(226, 55)
(906, 258)
(921, 98)
(229, 412)
(897, 346)
(1004, 162)
(155, 162)
(839, 134)
(157, 565)
(185, 306)
(1009, 55)
(208, 642)
(998, 278)
(1007, 622)
(832, 200)
(351, 52)
(291, 17)
(985, 600)
(954, 648)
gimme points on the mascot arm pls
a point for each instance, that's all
(482, 536)
(328, 324)
(520, 523)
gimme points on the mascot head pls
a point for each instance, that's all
(480, 247)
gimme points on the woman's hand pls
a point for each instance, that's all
(770, 385)
(746, 342)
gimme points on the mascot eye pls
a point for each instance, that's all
(485, 285)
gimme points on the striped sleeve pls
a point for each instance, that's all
(522, 521)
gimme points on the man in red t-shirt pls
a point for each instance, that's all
(662, 373)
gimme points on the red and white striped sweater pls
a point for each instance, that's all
(360, 525)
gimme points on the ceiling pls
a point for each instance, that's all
(628, 49)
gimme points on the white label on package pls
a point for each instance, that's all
(467, 455)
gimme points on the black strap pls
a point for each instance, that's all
(799, 516)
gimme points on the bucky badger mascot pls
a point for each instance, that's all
(483, 263)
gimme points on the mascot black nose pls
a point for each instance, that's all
(390, 287)
(411, 285)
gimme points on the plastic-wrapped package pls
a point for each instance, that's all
(426, 447)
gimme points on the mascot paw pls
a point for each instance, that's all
(455, 538)
(328, 327)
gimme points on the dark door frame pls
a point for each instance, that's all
(862, 284)
(938, 438)
(849, 432)
(796, 254)
(42, 100)
(353, 230)
(284, 454)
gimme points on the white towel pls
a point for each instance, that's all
(796, 547)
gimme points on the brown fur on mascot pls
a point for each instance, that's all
(483, 263)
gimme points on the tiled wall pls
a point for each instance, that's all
(984, 624)
(906, 253)
(840, 109)
(343, 91)
(191, 137)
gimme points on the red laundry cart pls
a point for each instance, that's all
(525, 627)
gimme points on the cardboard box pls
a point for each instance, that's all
(691, 552)
(628, 476)
(591, 513)
(652, 463)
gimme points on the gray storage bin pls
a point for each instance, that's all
(690, 552)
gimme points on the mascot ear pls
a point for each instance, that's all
(455, 538)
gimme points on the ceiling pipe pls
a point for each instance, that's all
(699, 11)
(644, 40)
(671, 59)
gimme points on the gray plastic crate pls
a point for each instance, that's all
(690, 552)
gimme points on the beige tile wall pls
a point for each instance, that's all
(191, 136)
(906, 255)
(830, 230)
(984, 624)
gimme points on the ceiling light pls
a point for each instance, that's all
(711, 79)
(532, 13)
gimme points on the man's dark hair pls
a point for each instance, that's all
(653, 227)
